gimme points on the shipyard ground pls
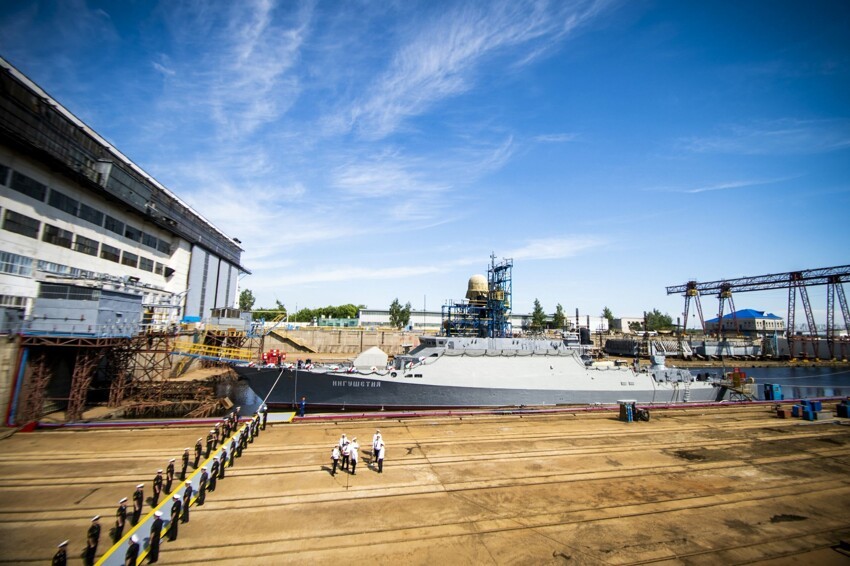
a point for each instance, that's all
(699, 486)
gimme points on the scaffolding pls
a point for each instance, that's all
(89, 354)
(485, 314)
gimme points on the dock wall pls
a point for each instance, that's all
(345, 342)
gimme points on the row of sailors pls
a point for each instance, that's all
(180, 506)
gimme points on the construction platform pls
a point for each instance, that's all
(708, 485)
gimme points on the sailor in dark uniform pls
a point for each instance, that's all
(223, 462)
(202, 486)
(209, 444)
(176, 508)
(61, 557)
(232, 451)
(187, 502)
(199, 448)
(132, 552)
(120, 520)
(185, 464)
(138, 501)
(157, 488)
(265, 411)
(169, 475)
(156, 534)
(213, 473)
(92, 538)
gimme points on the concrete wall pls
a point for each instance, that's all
(346, 342)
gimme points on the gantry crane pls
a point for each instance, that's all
(794, 281)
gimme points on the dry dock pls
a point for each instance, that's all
(698, 486)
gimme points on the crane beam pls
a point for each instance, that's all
(808, 277)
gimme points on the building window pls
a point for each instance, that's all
(67, 292)
(15, 264)
(129, 259)
(163, 246)
(28, 186)
(91, 215)
(146, 264)
(149, 240)
(158, 268)
(133, 233)
(57, 236)
(110, 253)
(62, 202)
(13, 301)
(4, 174)
(114, 225)
(51, 267)
(20, 224)
(86, 246)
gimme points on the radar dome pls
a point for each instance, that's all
(476, 290)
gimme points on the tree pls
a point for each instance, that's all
(559, 319)
(607, 314)
(246, 300)
(538, 318)
(657, 321)
(399, 316)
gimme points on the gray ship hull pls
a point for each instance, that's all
(285, 387)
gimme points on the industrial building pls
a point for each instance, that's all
(76, 212)
(100, 264)
(748, 322)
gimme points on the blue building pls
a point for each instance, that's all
(748, 322)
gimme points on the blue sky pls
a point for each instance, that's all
(366, 151)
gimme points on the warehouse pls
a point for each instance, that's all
(77, 212)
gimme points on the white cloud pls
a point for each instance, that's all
(555, 248)
(445, 54)
(724, 186)
(556, 138)
(786, 136)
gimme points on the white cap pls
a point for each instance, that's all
(200, 439)
(95, 518)
(175, 496)
(159, 471)
(158, 513)
(63, 543)
(122, 500)
(140, 486)
(134, 538)
(187, 449)
(188, 482)
(172, 460)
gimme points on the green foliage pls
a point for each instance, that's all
(607, 314)
(306, 314)
(340, 311)
(538, 318)
(246, 300)
(399, 316)
(559, 319)
(657, 321)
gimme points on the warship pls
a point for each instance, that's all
(478, 362)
